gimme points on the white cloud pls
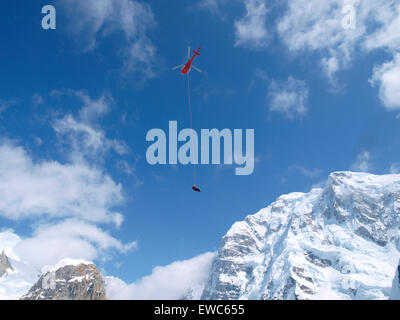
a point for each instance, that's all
(92, 139)
(171, 282)
(212, 6)
(362, 162)
(316, 26)
(251, 31)
(86, 140)
(319, 185)
(91, 21)
(30, 189)
(141, 57)
(387, 78)
(82, 133)
(330, 66)
(288, 98)
(387, 15)
(69, 239)
(309, 173)
(93, 109)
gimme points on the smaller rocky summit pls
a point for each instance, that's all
(5, 265)
(69, 280)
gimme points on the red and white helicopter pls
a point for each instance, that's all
(188, 65)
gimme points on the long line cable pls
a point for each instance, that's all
(191, 122)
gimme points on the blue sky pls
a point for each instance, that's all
(320, 98)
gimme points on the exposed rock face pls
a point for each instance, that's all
(395, 295)
(339, 242)
(5, 265)
(69, 282)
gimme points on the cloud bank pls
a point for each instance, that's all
(34, 189)
(65, 201)
(171, 282)
(69, 239)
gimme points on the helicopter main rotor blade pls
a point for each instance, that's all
(174, 68)
(188, 52)
(197, 69)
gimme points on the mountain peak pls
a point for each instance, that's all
(339, 242)
(69, 280)
(5, 265)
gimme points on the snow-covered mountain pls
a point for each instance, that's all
(339, 242)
